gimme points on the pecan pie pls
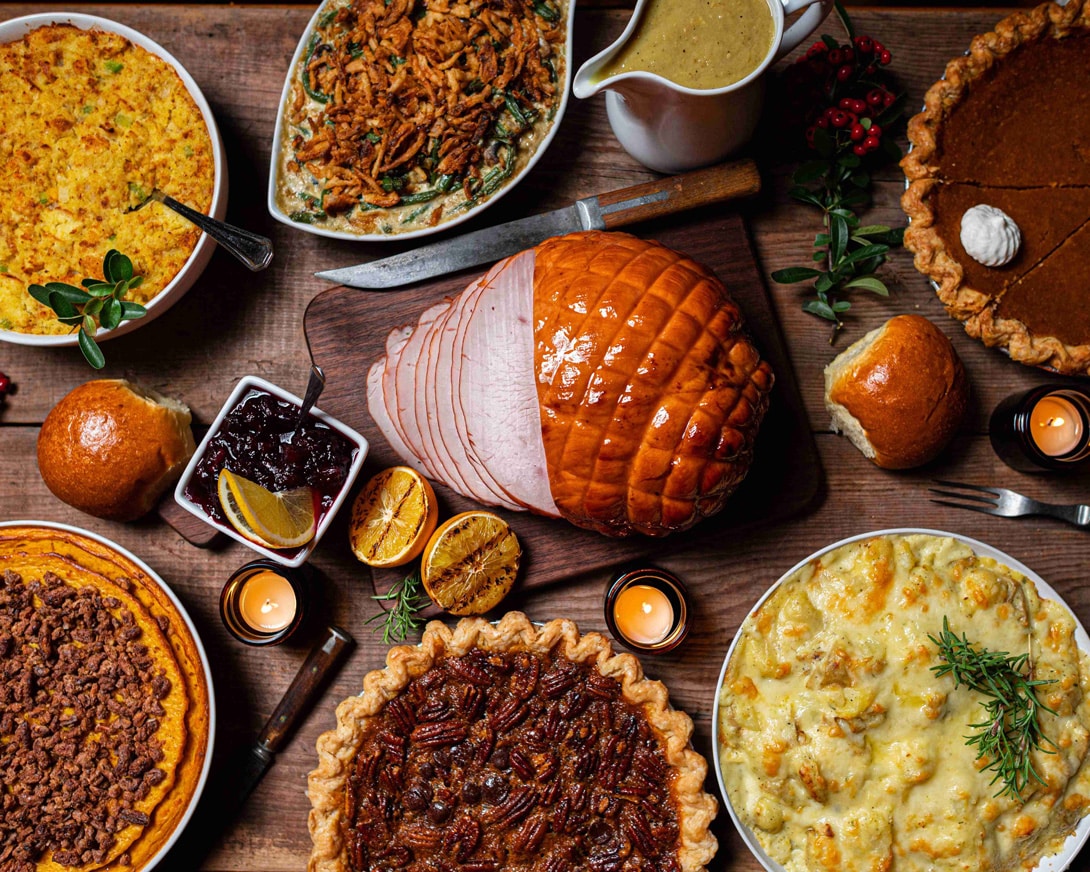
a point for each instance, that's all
(104, 709)
(1009, 126)
(510, 747)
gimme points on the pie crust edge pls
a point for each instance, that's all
(976, 310)
(337, 748)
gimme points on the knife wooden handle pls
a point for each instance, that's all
(320, 665)
(686, 191)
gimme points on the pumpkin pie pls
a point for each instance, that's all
(510, 747)
(1009, 126)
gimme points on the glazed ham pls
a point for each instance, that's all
(599, 378)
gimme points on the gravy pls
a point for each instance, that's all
(699, 44)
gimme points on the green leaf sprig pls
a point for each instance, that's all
(99, 303)
(408, 599)
(845, 101)
(1012, 730)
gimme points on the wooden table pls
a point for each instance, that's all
(233, 323)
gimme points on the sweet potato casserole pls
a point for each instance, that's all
(92, 123)
(843, 749)
(406, 113)
(104, 709)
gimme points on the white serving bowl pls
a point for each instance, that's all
(288, 558)
(280, 137)
(206, 669)
(17, 28)
(1055, 863)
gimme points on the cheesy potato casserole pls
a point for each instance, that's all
(840, 747)
(92, 123)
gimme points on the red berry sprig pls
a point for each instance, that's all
(7, 387)
(843, 101)
(850, 81)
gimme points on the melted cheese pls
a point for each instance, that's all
(842, 750)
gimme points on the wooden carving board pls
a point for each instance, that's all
(347, 328)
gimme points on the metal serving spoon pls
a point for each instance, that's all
(252, 249)
(315, 386)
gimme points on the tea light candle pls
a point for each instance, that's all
(643, 614)
(1055, 425)
(646, 609)
(1046, 428)
(266, 601)
(263, 603)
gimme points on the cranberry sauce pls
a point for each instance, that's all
(258, 440)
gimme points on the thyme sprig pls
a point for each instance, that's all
(99, 302)
(408, 598)
(1012, 730)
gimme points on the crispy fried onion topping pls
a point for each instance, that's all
(410, 99)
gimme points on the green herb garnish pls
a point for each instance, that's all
(114, 66)
(1012, 732)
(99, 303)
(845, 101)
(408, 599)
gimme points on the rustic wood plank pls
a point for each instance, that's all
(233, 322)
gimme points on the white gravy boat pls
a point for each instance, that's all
(670, 128)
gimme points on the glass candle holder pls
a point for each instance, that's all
(1045, 429)
(647, 610)
(264, 603)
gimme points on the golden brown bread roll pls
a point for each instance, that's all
(898, 393)
(110, 448)
(649, 419)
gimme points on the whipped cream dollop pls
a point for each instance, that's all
(989, 235)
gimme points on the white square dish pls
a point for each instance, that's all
(287, 557)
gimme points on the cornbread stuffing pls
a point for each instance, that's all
(92, 123)
(840, 747)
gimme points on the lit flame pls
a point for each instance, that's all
(268, 606)
(646, 606)
(1055, 421)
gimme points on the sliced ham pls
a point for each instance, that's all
(503, 421)
(600, 378)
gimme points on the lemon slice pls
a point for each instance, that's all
(275, 520)
(470, 563)
(392, 518)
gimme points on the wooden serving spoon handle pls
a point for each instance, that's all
(673, 194)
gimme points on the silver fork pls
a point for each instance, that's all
(1006, 503)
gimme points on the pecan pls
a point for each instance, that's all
(519, 803)
(509, 715)
(434, 710)
(473, 703)
(546, 765)
(524, 679)
(396, 857)
(470, 669)
(558, 682)
(401, 713)
(601, 686)
(461, 838)
(531, 834)
(420, 835)
(481, 866)
(524, 769)
(438, 734)
(573, 704)
(639, 832)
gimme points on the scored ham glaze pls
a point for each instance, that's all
(599, 378)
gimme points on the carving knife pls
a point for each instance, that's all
(656, 199)
(224, 800)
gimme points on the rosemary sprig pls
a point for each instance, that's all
(100, 302)
(1012, 731)
(408, 599)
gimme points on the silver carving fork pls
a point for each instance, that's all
(1006, 503)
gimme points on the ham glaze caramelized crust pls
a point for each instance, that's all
(599, 378)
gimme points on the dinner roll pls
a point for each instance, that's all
(898, 393)
(110, 448)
